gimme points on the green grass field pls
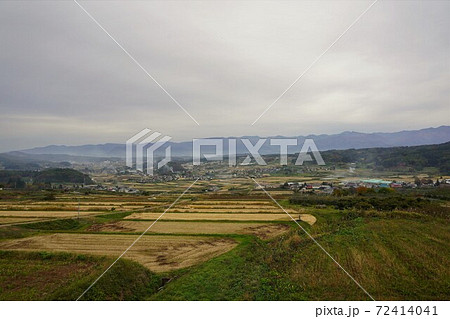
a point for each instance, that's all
(62, 276)
(396, 259)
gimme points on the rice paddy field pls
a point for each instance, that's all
(210, 217)
(229, 243)
(44, 213)
(157, 253)
(262, 230)
(13, 220)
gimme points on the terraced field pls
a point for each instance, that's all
(43, 213)
(157, 253)
(84, 206)
(200, 227)
(211, 216)
(13, 220)
(232, 243)
(262, 230)
(191, 216)
(220, 210)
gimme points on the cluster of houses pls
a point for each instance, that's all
(95, 187)
(325, 187)
(118, 189)
(424, 182)
(328, 187)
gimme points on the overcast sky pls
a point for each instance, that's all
(64, 81)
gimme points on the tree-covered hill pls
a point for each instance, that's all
(413, 158)
(62, 175)
(18, 179)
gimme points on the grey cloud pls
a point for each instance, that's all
(63, 81)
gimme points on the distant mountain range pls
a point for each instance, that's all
(345, 140)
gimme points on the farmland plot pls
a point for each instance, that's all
(226, 210)
(14, 220)
(157, 253)
(18, 213)
(232, 202)
(227, 206)
(84, 206)
(211, 216)
(264, 231)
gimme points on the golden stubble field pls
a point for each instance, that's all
(262, 230)
(70, 206)
(157, 253)
(221, 210)
(50, 213)
(179, 239)
(4, 221)
(211, 216)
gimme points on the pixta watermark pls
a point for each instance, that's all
(142, 147)
(150, 142)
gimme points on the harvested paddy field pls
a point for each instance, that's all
(61, 208)
(232, 202)
(84, 206)
(13, 220)
(224, 239)
(223, 208)
(157, 253)
(263, 231)
(226, 206)
(212, 216)
(36, 213)
(218, 209)
(274, 193)
(108, 203)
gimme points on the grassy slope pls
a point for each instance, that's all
(61, 276)
(391, 258)
(50, 276)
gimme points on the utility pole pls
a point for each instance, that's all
(78, 208)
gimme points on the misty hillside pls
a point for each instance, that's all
(400, 158)
(345, 140)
